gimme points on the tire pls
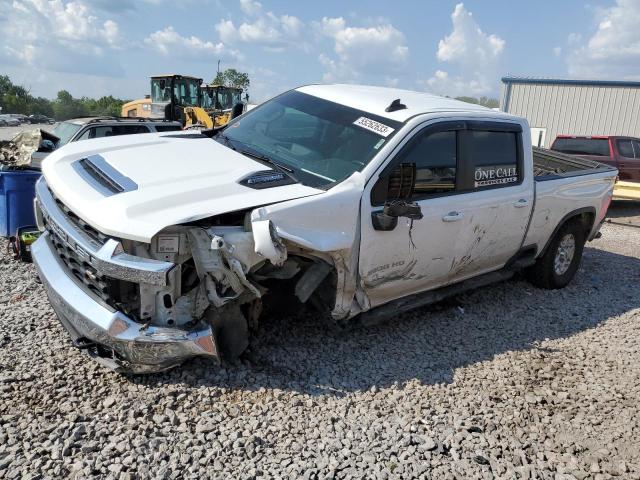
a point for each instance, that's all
(559, 264)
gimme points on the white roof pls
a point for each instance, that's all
(376, 99)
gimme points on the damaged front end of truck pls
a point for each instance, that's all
(195, 290)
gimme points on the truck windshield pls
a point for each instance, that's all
(65, 132)
(322, 142)
(582, 146)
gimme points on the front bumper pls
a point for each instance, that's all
(115, 340)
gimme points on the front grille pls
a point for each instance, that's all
(83, 226)
(80, 268)
(114, 292)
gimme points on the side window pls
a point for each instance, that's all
(625, 148)
(493, 157)
(636, 147)
(85, 135)
(116, 130)
(436, 159)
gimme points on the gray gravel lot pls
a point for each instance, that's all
(507, 382)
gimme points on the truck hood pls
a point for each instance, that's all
(169, 179)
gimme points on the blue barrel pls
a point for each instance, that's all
(17, 191)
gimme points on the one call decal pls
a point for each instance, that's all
(495, 175)
(373, 126)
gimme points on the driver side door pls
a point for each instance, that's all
(416, 254)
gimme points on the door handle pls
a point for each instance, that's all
(452, 217)
(523, 202)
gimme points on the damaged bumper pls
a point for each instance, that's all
(114, 339)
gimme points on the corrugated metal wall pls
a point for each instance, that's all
(575, 109)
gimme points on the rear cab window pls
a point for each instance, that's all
(625, 148)
(583, 146)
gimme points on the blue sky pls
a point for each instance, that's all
(99, 47)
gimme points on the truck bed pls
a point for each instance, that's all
(549, 165)
(565, 184)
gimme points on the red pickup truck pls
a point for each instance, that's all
(620, 152)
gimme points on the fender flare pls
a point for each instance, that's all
(565, 219)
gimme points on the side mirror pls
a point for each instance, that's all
(47, 146)
(237, 110)
(394, 192)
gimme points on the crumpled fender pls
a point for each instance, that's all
(323, 223)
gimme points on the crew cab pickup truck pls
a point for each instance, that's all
(361, 202)
(622, 153)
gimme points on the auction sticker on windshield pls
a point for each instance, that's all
(373, 126)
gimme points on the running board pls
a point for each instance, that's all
(406, 304)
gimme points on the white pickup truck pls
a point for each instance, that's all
(362, 202)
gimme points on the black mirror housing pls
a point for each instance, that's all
(398, 184)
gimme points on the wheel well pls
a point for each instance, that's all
(585, 216)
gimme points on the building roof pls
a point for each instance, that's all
(376, 99)
(560, 81)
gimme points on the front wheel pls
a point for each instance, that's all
(557, 267)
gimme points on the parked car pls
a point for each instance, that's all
(360, 202)
(41, 119)
(620, 152)
(78, 129)
(3, 122)
(22, 118)
(10, 120)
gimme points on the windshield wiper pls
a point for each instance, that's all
(258, 156)
(264, 158)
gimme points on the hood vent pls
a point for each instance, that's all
(266, 179)
(102, 176)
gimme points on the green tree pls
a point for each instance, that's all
(233, 78)
(17, 99)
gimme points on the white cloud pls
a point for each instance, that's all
(170, 42)
(58, 35)
(614, 50)
(361, 50)
(557, 51)
(250, 7)
(268, 30)
(473, 53)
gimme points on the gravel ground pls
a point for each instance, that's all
(507, 382)
(625, 212)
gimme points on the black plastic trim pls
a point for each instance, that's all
(266, 179)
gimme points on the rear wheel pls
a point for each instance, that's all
(557, 267)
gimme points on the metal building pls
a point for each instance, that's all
(573, 107)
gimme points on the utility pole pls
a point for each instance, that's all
(218, 66)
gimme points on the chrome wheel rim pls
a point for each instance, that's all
(564, 254)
